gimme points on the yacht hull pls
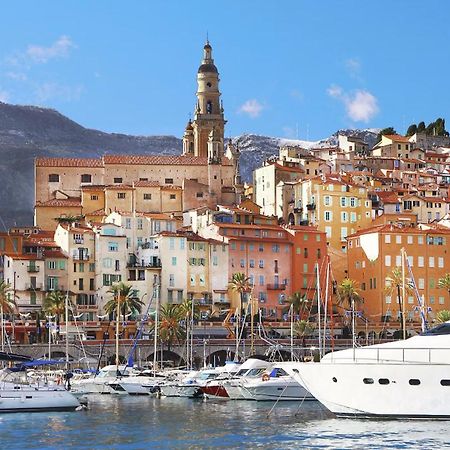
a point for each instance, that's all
(392, 390)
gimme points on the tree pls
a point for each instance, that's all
(298, 302)
(395, 284)
(55, 304)
(170, 329)
(443, 316)
(385, 131)
(241, 284)
(348, 293)
(421, 127)
(303, 328)
(7, 304)
(124, 299)
(444, 283)
(412, 129)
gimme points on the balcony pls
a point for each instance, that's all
(78, 241)
(33, 286)
(149, 265)
(82, 257)
(219, 301)
(32, 269)
(204, 301)
(276, 287)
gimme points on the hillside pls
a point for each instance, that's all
(30, 131)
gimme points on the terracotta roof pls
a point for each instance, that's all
(23, 257)
(69, 162)
(118, 187)
(98, 212)
(289, 169)
(397, 138)
(388, 196)
(146, 184)
(155, 160)
(171, 187)
(54, 254)
(67, 202)
(160, 216)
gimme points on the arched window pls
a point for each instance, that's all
(209, 107)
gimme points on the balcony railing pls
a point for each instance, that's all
(150, 265)
(276, 286)
(32, 269)
(78, 257)
(219, 301)
(33, 286)
(204, 301)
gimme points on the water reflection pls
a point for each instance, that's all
(136, 422)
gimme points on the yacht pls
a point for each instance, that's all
(274, 384)
(19, 394)
(402, 379)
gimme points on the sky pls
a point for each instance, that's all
(293, 69)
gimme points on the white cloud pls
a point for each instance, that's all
(252, 108)
(59, 49)
(360, 105)
(4, 96)
(353, 65)
(18, 76)
(49, 91)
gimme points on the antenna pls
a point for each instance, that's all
(207, 37)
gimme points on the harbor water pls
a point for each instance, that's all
(144, 422)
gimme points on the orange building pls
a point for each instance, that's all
(374, 252)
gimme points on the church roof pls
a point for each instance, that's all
(205, 68)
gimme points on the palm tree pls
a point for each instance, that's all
(170, 328)
(241, 284)
(348, 293)
(443, 315)
(55, 304)
(395, 284)
(7, 304)
(444, 283)
(298, 302)
(124, 300)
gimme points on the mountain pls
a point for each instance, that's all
(30, 131)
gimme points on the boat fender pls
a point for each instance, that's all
(266, 377)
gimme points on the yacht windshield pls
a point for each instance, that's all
(443, 328)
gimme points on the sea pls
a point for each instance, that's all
(127, 422)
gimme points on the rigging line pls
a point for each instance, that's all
(276, 403)
(78, 332)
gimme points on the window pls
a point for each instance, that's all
(343, 202)
(174, 260)
(121, 195)
(139, 224)
(147, 196)
(216, 262)
(62, 265)
(327, 216)
(182, 244)
(201, 280)
(327, 200)
(328, 232)
(387, 260)
(420, 240)
(172, 196)
(171, 280)
(344, 216)
(94, 197)
(86, 178)
(107, 263)
(261, 280)
(409, 239)
(118, 180)
(242, 262)
(275, 248)
(261, 263)
(199, 194)
(113, 246)
(388, 299)
(81, 267)
(252, 263)
(440, 262)
(168, 181)
(420, 261)
(192, 280)
(387, 239)
(91, 267)
(398, 239)
(128, 224)
(441, 300)
(431, 261)
(261, 247)
(51, 264)
(53, 178)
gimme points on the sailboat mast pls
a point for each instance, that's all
(326, 307)
(155, 334)
(403, 318)
(66, 307)
(319, 309)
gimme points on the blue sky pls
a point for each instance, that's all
(288, 68)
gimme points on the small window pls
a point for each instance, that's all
(445, 382)
(53, 178)
(121, 195)
(368, 381)
(173, 196)
(199, 194)
(168, 181)
(414, 382)
(94, 197)
(147, 196)
(118, 180)
(86, 178)
(383, 381)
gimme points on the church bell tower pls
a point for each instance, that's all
(208, 113)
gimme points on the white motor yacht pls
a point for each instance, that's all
(274, 384)
(18, 394)
(409, 378)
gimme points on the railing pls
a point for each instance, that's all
(395, 355)
(204, 301)
(78, 241)
(136, 265)
(32, 269)
(82, 307)
(33, 286)
(222, 301)
(276, 286)
(78, 257)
